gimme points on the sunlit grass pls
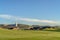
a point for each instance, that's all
(6, 34)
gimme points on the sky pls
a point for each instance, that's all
(31, 11)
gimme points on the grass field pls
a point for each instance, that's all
(28, 35)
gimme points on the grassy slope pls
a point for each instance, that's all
(28, 35)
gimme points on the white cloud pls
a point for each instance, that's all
(37, 20)
(25, 19)
(6, 16)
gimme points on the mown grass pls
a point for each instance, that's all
(28, 35)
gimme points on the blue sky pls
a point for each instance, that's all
(33, 9)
